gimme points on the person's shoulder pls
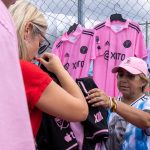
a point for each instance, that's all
(31, 71)
(6, 20)
(134, 26)
(145, 103)
(27, 64)
(29, 67)
(145, 98)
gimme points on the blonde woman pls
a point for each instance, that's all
(129, 122)
(43, 94)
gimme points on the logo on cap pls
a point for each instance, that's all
(128, 61)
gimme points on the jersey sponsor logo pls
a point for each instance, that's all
(106, 55)
(74, 65)
(78, 64)
(69, 137)
(66, 66)
(83, 50)
(127, 44)
(116, 56)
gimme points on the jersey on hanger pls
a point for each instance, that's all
(115, 41)
(75, 51)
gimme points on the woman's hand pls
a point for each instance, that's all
(97, 98)
(51, 62)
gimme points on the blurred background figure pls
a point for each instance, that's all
(15, 128)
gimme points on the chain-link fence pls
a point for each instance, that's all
(61, 14)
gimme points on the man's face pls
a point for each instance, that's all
(8, 2)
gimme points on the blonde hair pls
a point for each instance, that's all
(145, 79)
(23, 12)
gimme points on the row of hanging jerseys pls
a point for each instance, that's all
(104, 46)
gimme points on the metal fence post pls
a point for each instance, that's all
(81, 17)
(146, 33)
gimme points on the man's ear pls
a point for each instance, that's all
(28, 31)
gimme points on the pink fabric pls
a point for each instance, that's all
(115, 41)
(75, 51)
(15, 128)
(133, 65)
(70, 49)
(77, 129)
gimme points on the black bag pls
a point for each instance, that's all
(95, 126)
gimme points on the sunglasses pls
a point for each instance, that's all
(45, 44)
(43, 47)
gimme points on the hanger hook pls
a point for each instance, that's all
(115, 6)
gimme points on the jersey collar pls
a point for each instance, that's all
(124, 24)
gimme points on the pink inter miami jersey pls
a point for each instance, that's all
(75, 51)
(115, 41)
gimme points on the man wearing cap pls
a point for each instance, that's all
(129, 121)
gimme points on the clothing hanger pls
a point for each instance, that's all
(72, 28)
(117, 16)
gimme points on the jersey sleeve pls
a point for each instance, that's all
(147, 104)
(35, 81)
(140, 46)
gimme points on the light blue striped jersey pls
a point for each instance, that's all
(124, 135)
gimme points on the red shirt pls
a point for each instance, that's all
(35, 81)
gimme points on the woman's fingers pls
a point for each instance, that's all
(97, 97)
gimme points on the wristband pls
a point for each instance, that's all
(114, 105)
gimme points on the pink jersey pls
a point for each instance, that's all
(75, 51)
(115, 41)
